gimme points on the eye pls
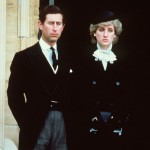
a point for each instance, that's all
(50, 23)
(59, 23)
(110, 30)
(100, 29)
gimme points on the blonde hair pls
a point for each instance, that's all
(116, 23)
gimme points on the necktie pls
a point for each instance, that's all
(54, 58)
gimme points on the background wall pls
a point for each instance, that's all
(14, 41)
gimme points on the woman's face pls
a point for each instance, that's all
(105, 35)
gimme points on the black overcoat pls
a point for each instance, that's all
(32, 85)
(109, 91)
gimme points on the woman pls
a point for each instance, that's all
(108, 91)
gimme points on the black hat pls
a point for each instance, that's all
(106, 15)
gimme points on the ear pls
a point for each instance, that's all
(40, 25)
(63, 27)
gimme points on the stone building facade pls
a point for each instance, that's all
(18, 30)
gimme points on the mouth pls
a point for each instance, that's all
(54, 35)
(105, 40)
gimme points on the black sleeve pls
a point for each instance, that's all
(15, 91)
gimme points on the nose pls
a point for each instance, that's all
(105, 33)
(55, 26)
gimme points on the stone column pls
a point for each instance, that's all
(2, 68)
(23, 18)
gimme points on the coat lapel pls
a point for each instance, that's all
(39, 60)
(41, 66)
(43, 70)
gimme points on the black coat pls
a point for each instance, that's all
(105, 91)
(32, 85)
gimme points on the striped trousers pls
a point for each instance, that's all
(53, 134)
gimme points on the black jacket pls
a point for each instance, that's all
(110, 91)
(32, 85)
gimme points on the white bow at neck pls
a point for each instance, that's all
(106, 55)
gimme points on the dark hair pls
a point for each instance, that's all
(50, 9)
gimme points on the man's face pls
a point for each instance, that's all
(51, 28)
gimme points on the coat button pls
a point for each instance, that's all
(117, 83)
(93, 82)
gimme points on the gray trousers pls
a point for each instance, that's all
(53, 134)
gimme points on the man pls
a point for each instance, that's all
(38, 80)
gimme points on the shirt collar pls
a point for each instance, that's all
(108, 50)
(45, 46)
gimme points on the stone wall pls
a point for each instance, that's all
(19, 32)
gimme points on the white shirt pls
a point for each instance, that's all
(104, 55)
(48, 53)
